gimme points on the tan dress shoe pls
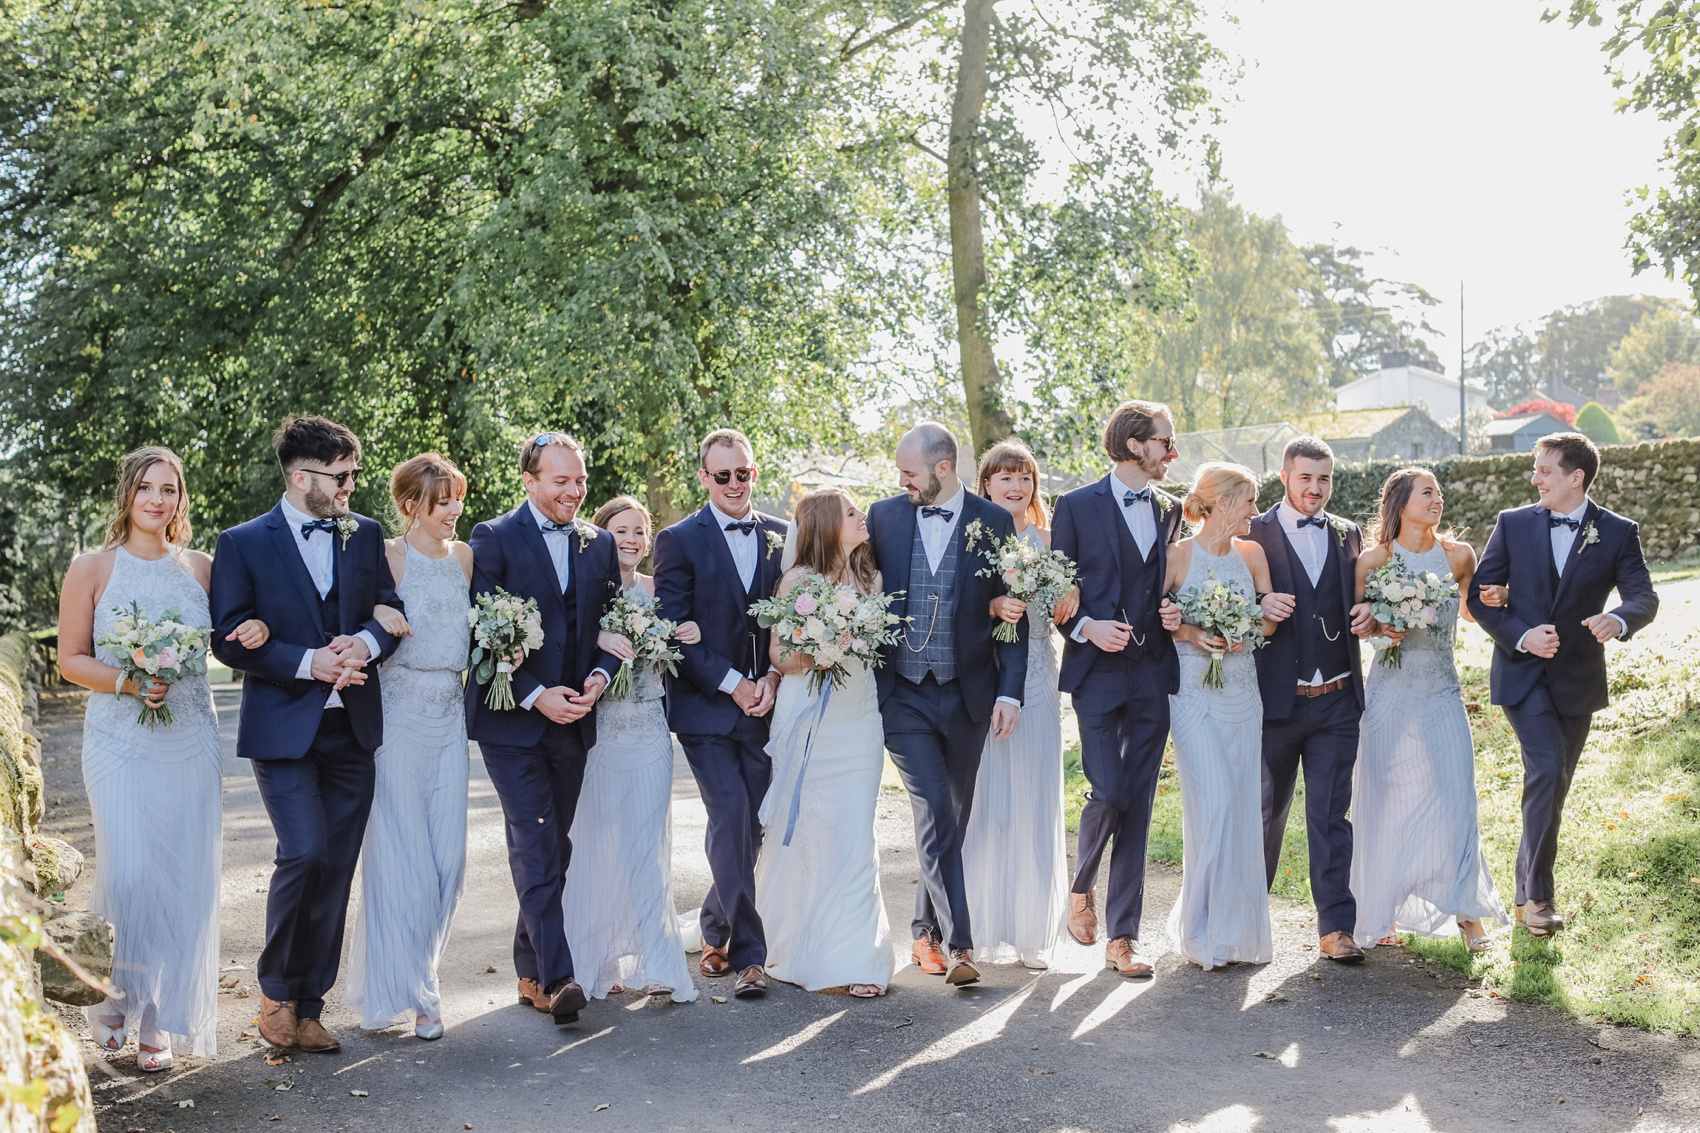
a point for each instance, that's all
(962, 970)
(714, 961)
(1340, 947)
(531, 992)
(1122, 955)
(1083, 917)
(929, 957)
(752, 982)
(311, 1036)
(1541, 918)
(277, 1022)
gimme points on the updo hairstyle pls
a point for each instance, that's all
(1215, 481)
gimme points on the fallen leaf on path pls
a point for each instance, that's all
(358, 1094)
(1277, 997)
(274, 1060)
(717, 998)
(598, 1108)
(189, 1103)
(488, 968)
(280, 1085)
(907, 1022)
(1038, 1071)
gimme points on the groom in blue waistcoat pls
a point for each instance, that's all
(1560, 559)
(1120, 666)
(1311, 680)
(535, 751)
(946, 681)
(709, 568)
(312, 715)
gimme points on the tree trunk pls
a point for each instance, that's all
(982, 385)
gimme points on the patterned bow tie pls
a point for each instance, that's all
(1564, 521)
(1143, 496)
(313, 525)
(943, 513)
(550, 527)
(1311, 521)
(742, 526)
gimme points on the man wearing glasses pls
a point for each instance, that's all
(312, 715)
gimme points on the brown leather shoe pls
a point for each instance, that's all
(531, 992)
(566, 1001)
(1083, 917)
(277, 1022)
(714, 961)
(1541, 918)
(1340, 947)
(929, 956)
(311, 1036)
(752, 983)
(1122, 955)
(962, 969)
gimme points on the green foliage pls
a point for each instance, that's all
(1668, 406)
(1355, 319)
(1572, 347)
(1593, 422)
(1663, 336)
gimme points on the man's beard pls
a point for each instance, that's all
(1154, 468)
(321, 506)
(930, 494)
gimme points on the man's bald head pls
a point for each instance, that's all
(926, 462)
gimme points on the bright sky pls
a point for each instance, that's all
(1457, 139)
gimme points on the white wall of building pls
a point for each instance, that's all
(1437, 394)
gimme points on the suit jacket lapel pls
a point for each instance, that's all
(722, 554)
(532, 536)
(767, 559)
(1279, 577)
(1348, 574)
(290, 554)
(344, 591)
(1112, 509)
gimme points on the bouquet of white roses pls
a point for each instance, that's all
(1222, 609)
(502, 626)
(1402, 602)
(633, 617)
(166, 650)
(832, 624)
(1033, 574)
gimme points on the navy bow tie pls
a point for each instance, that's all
(1143, 496)
(742, 526)
(550, 527)
(943, 513)
(1563, 520)
(1311, 521)
(313, 525)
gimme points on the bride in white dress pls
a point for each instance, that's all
(818, 880)
(153, 791)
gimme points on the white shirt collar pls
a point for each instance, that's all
(1291, 515)
(537, 517)
(1579, 512)
(296, 517)
(721, 519)
(954, 504)
(1118, 485)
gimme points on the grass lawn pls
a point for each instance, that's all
(1674, 570)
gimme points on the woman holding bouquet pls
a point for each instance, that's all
(618, 902)
(1013, 857)
(817, 878)
(156, 877)
(1222, 915)
(1417, 862)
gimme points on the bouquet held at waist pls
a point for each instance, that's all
(166, 650)
(832, 624)
(1223, 610)
(1403, 601)
(504, 629)
(634, 617)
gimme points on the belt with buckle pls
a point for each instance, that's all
(1325, 688)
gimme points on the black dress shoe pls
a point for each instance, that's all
(566, 1001)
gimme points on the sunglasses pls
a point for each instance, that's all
(724, 476)
(1167, 442)
(343, 479)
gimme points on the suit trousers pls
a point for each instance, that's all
(937, 747)
(1321, 736)
(539, 788)
(1124, 722)
(1552, 746)
(732, 773)
(318, 806)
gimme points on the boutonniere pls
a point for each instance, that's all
(346, 527)
(973, 533)
(1164, 503)
(1590, 535)
(586, 534)
(775, 542)
(1341, 528)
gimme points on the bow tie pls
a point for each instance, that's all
(550, 527)
(1563, 520)
(313, 525)
(1311, 521)
(1143, 496)
(943, 513)
(742, 526)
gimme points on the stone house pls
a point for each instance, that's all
(1519, 434)
(1399, 432)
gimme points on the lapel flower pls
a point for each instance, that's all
(1590, 536)
(1341, 528)
(775, 542)
(1163, 502)
(346, 527)
(974, 532)
(586, 534)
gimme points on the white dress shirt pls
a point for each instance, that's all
(560, 545)
(1310, 543)
(936, 530)
(318, 555)
(1141, 524)
(1563, 542)
(746, 553)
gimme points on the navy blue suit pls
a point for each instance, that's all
(537, 765)
(1121, 700)
(1551, 701)
(1318, 734)
(697, 580)
(313, 766)
(936, 731)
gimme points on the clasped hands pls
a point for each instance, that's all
(1542, 640)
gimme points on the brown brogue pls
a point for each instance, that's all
(277, 1022)
(962, 969)
(311, 1036)
(566, 1001)
(752, 983)
(714, 961)
(928, 956)
(1083, 917)
(531, 993)
(1541, 918)
(1122, 955)
(1341, 948)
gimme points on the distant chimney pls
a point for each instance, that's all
(1393, 359)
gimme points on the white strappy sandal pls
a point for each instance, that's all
(110, 1038)
(153, 1061)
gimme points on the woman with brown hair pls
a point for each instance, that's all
(818, 879)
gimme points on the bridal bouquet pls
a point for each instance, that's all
(166, 650)
(831, 623)
(503, 629)
(1222, 609)
(1033, 574)
(1404, 601)
(633, 617)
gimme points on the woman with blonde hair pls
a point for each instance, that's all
(1222, 914)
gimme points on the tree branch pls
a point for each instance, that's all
(328, 195)
(852, 49)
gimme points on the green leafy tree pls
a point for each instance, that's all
(1668, 405)
(1593, 422)
(1355, 314)
(1567, 355)
(1663, 336)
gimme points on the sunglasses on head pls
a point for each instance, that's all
(343, 479)
(724, 476)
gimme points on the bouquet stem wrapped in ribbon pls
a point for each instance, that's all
(165, 650)
(1403, 602)
(634, 618)
(1222, 609)
(1032, 574)
(504, 628)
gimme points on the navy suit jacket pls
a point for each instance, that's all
(986, 668)
(509, 553)
(1085, 527)
(1278, 673)
(696, 580)
(1519, 555)
(258, 573)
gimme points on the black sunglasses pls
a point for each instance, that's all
(724, 476)
(343, 479)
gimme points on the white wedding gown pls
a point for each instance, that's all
(819, 896)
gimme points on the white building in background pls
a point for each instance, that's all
(1398, 382)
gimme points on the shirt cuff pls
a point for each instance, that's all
(1078, 626)
(532, 699)
(1009, 700)
(372, 650)
(1622, 626)
(729, 683)
(304, 671)
(605, 677)
(1526, 633)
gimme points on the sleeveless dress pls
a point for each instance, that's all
(819, 897)
(154, 794)
(1417, 861)
(1013, 856)
(618, 903)
(415, 851)
(1222, 915)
